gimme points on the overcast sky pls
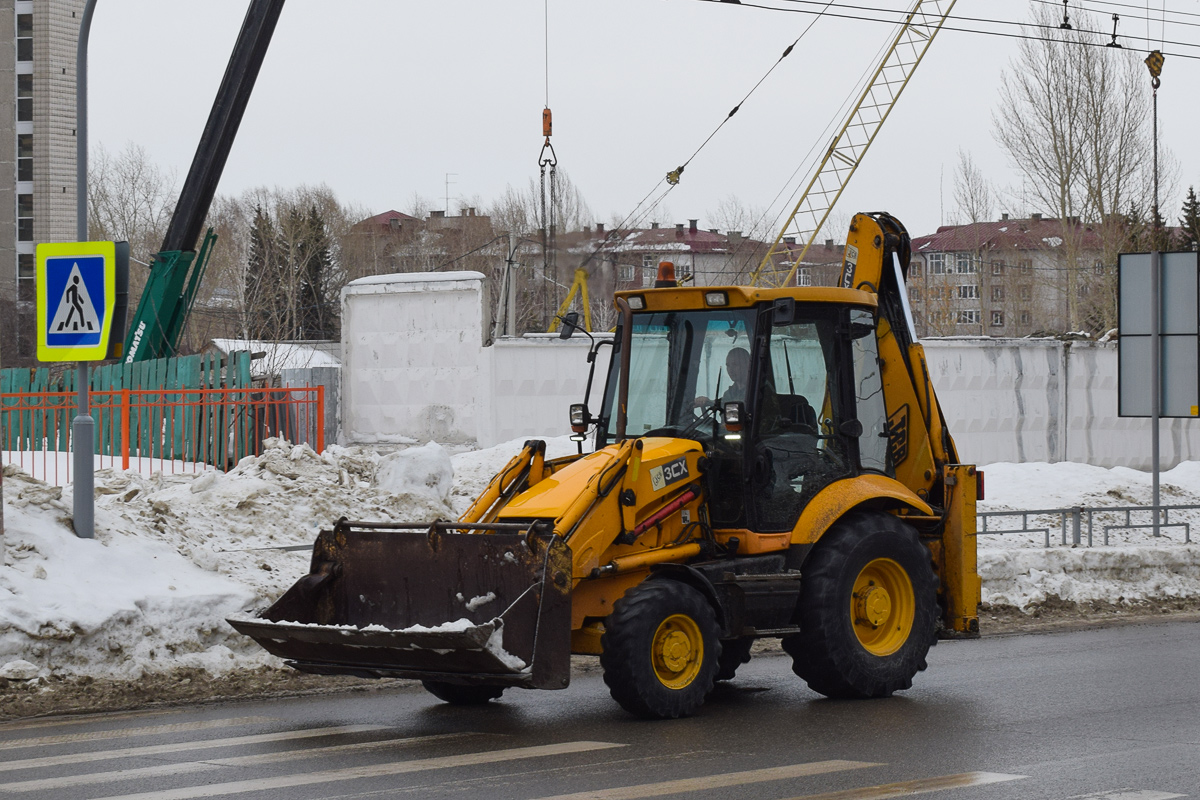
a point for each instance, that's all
(381, 99)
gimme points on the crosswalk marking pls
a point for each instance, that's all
(122, 733)
(919, 786)
(1129, 794)
(185, 767)
(61, 722)
(715, 781)
(374, 771)
(180, 747)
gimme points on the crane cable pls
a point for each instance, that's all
(674, 175)
(548, 164)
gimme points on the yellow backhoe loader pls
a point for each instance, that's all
(767, 463)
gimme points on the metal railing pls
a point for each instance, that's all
(1079, 522)
(166, 430)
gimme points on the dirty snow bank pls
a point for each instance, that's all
(1018, 570)
(175, 555)
(1025, 578)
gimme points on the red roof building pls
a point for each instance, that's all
(1012, 277)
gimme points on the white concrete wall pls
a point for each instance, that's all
(417, 366)
(1045, 400)
(534, 381)
(411, 352)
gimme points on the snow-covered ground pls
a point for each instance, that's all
(175, 554)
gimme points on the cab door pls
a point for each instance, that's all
(818, 410)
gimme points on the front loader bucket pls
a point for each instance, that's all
(449, 602)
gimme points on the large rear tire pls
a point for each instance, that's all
(660, 650)
(458, 694)
(868, 609)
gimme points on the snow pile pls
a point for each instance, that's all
(1018, 570)
(1024, 577)
(175, 555)
(421, 471)
(113, 606)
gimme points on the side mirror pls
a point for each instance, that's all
(783, 311)
(579, 418)
(852, 428)
(734, 413)
(570, 323)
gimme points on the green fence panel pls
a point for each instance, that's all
(37, 385)
(6, 379)
(189, 378)
(25, 415)
(65, 413)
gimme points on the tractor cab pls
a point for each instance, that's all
(783, 401)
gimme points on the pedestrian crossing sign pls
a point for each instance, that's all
(76, 293)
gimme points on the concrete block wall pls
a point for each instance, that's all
(533, 382)
(1027, 400)
(418, 366)
(411, 358)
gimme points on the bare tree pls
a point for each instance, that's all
(973, 194)
(519, 211)
(1073, 120)
(129, 199)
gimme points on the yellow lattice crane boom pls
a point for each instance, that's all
(846, 151)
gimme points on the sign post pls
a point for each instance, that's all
(1158, 315)
(82, 296)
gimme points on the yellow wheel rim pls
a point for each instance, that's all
(677, 651)
(882, 607)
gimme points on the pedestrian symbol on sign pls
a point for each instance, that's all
(76, 312)
(76, 315)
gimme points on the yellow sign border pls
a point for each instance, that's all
(108, 250)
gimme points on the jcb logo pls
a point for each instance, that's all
(848, 266)
(668, 473)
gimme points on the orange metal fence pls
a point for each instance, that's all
(168, 430)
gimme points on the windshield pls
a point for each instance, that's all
(680, 362)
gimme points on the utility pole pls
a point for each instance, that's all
(510, 317)
(83, 427)
(1154, 62)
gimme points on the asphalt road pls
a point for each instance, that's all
(1111, 713)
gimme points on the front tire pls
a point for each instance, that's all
(868, 609)
(660, 650)
(457, 694)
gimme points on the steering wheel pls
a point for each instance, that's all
(684, 431)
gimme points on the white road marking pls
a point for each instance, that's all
(919, 786)
(720, 781)
(182, 747)
(375, 771)
(123, 733)
(62, 722)
(46, 784)
(1129, 794)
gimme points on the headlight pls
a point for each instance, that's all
(636, 302)
(716, 298)
(579, 418)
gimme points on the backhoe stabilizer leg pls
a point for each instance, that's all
(960, 568)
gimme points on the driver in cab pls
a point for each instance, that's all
(737, 364)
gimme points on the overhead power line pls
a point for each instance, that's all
(961, 29)
(1124, 16)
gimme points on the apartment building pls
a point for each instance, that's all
(37, 150)
(1011, 277)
